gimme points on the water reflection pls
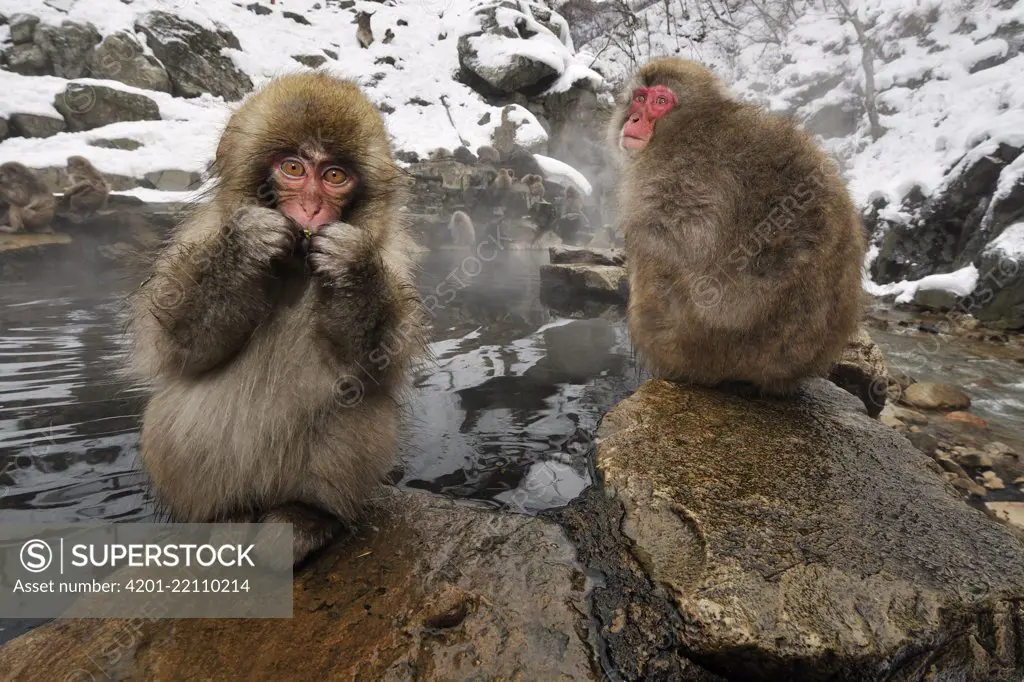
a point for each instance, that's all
(504, 414)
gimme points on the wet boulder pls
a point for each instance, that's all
(193, 56)
(85, 107)
(120, 57)
(582, 281)
(474, 606)
(862, 371)
(927, 395)
(798, 539)
(67, 46)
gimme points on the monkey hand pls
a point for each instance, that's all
(260, 234)
(335, 250)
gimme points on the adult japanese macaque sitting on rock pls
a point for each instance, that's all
(743, 247)
(280, 323)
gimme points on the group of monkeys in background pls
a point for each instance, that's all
(529, 190)
(32, 207)
(279, 325)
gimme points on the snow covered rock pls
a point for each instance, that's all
(85, 107)
(519, 128)
(35, 125)
(120, 57)
(520, 47)
(66, 47)
(28, 59)
(193, 56)
(941, 234)
(1000, 291)
(23, 28)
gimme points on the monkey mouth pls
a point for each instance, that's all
(633, 143)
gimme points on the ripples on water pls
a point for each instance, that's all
(505, 414)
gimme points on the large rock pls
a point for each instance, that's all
(800, 540)
(599, 282)
(23, 28)
(27, 60)
(192, 56)
(36, 125)
(66, 46)
(1000, 290)
(931, 396)
(85, 107)
(429, 591)
(120, 57)
(516, 69)
(863, 371)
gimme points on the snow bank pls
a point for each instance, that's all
(959, 283)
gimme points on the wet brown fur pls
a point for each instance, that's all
(88, 190)
(743, 247)
(30, 204)
(257, 352)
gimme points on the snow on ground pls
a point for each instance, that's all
(424, 51)
(1010, 242)
(563, 173)
(959, 283)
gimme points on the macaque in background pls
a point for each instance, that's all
(364, 34)
(279, 325)
(743, 247)
(572, 201)
(89, 189)
(30, 203)
(488, 154)
(504, 179)
(535, 183)
(461, 228)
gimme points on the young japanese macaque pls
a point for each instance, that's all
(504, 180)
(572, 202)
(279, 324)
(535, 184)
(461, 228)
(88, 189)
(30, 203)
(488, 154)
(743, 247)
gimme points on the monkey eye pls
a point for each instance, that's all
(640, 98)
(293, 168)
(660, 100)
(335, 176)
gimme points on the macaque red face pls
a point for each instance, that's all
(311, 190)
(646, 107)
